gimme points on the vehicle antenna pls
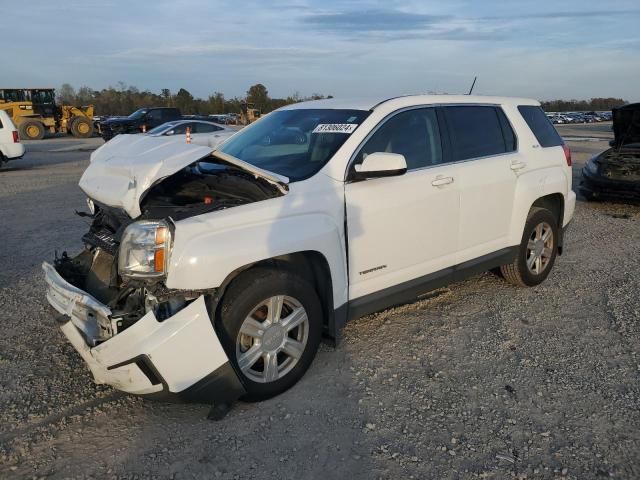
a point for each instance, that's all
(472, 85)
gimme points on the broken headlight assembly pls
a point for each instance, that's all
(144, 250)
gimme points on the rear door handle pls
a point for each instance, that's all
(440, 181)
(518, 165)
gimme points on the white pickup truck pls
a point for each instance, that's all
(214, 274)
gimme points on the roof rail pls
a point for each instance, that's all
(389, 99)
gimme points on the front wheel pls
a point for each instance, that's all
(32, 130)
(537, 252)
(270, 325)
(81, 127)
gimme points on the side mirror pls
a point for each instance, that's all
(170, 132)
(380, 164)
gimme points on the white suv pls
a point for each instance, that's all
(10, 146)
(214, 275)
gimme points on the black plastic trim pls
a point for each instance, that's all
(220, 386)
(409, 291)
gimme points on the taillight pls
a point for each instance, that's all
(567, 154)
(16, 138)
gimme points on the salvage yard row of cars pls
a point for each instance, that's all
(578, 117)
(212, 273)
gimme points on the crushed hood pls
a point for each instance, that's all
(123, 169)
(626, 124)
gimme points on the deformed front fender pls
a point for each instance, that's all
(203, 257)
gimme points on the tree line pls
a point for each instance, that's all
(124, 99)
(594, 104)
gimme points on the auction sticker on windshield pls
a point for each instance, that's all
(335, 128)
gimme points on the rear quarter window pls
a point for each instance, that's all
(540, 125)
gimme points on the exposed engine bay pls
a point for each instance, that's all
(200, 188)
(621, 164)
(204, 187)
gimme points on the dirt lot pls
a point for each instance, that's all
(483, 380)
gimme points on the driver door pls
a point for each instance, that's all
(403, 228)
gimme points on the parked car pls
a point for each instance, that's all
(202, 133)
(222, 119)
(140, 120)
(10, 146)
(615, 173)
(214, 274)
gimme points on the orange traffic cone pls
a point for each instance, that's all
(144, 128)
(188, 134)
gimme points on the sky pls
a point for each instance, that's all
(542, 49)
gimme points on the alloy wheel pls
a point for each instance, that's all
(272, 339)
(540, 248)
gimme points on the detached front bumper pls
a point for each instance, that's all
(597, 186)
(178, 358)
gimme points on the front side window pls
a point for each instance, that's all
(540, 125)
(137, 114)
(181, 129)
(413, 134)
(295, 143)
(475, 131)
(154, 115)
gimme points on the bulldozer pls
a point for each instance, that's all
(248, 113)
(35, 113)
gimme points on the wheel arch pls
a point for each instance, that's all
(314, 267)
(553, 202)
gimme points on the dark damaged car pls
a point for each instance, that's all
(615, 173)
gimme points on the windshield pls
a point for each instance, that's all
(42, 97)
(137, 114)
(160, 128)
(294, 143)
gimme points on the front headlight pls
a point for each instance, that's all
(144, 250)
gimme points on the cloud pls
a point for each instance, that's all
(215, 49)
(375, 20)
(574, 14)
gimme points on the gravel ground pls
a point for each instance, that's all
(481, 380)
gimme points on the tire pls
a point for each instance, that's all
(81, 127)
(260, 356)
(32, 130)
(519, 272)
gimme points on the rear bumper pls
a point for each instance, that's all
(593, 186)
(180, 358)
(13, 151)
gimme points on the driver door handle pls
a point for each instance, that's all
(440, 181)
(518, 165)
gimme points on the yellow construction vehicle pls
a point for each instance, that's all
(248, 114)
(34, 112)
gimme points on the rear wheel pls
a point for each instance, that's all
(81, 127)
(32, 130)
(537, 252)
(271, 323)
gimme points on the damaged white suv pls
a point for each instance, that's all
(212, 275)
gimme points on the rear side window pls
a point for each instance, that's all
(205, 128)
(540, 125)
(478, 131)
